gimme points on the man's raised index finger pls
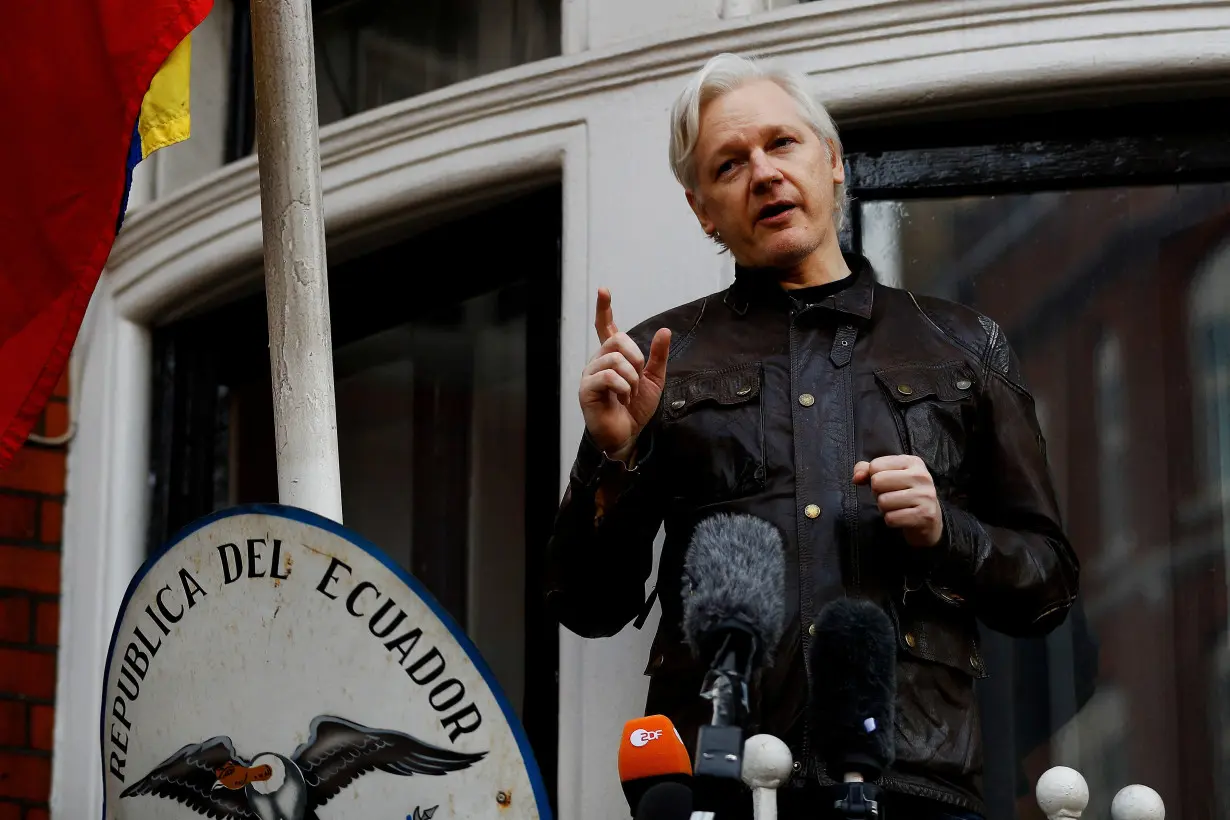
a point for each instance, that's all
(604, 317)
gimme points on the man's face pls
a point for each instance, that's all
(764, 180)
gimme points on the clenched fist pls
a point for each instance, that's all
(905, 493)
(620, 390)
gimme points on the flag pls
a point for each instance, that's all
(88, 88)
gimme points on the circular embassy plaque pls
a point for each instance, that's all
(269, 664)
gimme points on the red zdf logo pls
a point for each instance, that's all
(642, 736)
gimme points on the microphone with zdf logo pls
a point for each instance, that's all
(654, 769)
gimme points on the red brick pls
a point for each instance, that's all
(10, 811)
(28, 673)
(15, 619)
(42, 726)
(29, 569)
(40, 471)
(53, 522)
(17, 516)
(55, 419)
(37, 814)
(25, 777)
(47, 624)
(12, 723)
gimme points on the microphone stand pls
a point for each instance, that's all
(718, 769)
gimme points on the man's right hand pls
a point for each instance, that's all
(620, 390)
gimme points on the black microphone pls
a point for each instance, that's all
(734, 608)
(854, 658)
(666, 801)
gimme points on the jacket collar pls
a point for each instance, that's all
(756, 286)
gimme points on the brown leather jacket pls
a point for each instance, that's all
(768, 405)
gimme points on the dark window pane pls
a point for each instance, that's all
(448, 440)
(373, 52)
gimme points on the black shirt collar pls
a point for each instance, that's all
(760, 286)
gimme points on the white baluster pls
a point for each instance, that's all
(766, 766)
(1062, 793)
(1137, 803)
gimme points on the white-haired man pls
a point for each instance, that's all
(888, 436)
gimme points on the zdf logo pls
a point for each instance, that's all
(640, 737)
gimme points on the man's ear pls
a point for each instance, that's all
(835, 160)
(706, 224)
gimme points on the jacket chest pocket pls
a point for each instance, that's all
(713, 430)
(935, 408)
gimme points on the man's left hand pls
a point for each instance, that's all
(905, 494)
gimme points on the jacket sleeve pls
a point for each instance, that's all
(1008, 549)
(601, 549)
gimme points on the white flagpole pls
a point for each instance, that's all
(296, 277)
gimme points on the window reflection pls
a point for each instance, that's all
(1117, 302)
(373, 52)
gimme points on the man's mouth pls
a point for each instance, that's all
(774, 210)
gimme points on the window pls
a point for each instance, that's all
(1092, 245)
(373, 52)
(1110, 404)
(1209, 310)
(448, 438)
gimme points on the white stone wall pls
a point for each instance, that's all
(597, 117)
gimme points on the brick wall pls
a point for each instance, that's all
(31, 510)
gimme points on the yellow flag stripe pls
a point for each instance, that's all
(165, 113)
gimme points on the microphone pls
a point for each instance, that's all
(666, 801)
(734, 608)
(853, 702)
(651, 754)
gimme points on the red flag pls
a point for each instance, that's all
(73, 74)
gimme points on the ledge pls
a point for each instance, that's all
(874, 61)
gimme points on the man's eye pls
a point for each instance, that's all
(781, 142)
(725, 166)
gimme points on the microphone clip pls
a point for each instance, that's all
(858, 800)
(718, 770)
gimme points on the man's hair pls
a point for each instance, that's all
(723, 74)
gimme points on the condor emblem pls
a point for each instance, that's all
(271, 665)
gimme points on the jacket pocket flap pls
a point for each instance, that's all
(923, 636)
(731, 385)
(949, 381)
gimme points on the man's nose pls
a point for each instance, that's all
(764, 172)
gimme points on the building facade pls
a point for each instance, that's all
(488, 164)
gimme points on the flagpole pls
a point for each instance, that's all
(296, 276)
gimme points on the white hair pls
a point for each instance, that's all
(723, 74)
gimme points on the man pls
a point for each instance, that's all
(888, 436)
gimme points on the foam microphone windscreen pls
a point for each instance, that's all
(666, 801)
(734, 571)
(650, 753)
(854, 663)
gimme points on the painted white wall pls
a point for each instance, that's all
(596, 116)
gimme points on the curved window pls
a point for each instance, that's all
(1209, 321)
(1110, 400)
(373, 52)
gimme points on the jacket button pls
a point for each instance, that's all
(677, 403)
(811, 630)
(811, 511)
(963, 384)
(905, 389)
(910, 639)
(807, 399)
(743, 391)
(973, 661)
